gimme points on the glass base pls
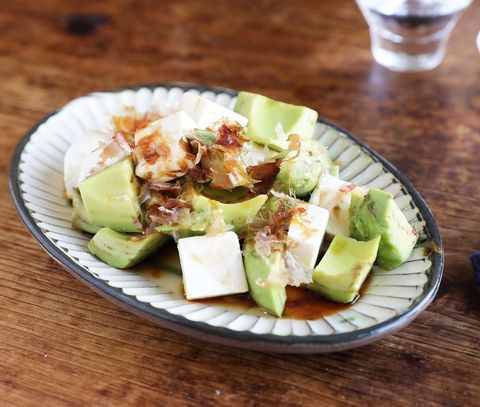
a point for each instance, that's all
(403, 62)
(409, 54)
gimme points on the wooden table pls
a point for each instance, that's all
(61, 344)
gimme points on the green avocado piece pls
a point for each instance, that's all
(270, 122)
(206, 136)
(378, 214)
(321, 151)
(300, 175)
(110, 198)
(261, 272)
(234, 216)
(80, 216)
(123, 250)
(334, 170)
(224, 195)
(356, 200)
(344, 267)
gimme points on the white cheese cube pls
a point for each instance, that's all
(206, 113)
(159, 148)
(304, 239)
(75, 156)
(94, 162)
(212, 266)
(334, 195)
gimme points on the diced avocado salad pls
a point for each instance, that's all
(253, 201)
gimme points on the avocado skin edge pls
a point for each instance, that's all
(80, 216)
(378, 214)
(121, 250)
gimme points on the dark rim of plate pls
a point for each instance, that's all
(337, 340)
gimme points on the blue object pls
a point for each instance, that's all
(476, 268)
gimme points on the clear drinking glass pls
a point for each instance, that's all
(411, 35)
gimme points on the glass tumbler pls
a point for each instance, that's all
(411, 35)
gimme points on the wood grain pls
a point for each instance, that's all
(63, 345)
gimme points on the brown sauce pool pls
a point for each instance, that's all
(301, 303)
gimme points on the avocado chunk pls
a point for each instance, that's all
(378, 214)
(80, 216)
(356, 198)
(344, 267)
(123, 250)
(262, 272)
(334, 170)
(235, 215)
(207, 213)
(321, 151)
(300, 175)
(270, 122)
(110, 198)
(265, 250)
(223, 195)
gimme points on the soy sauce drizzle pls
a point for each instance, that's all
(301, 303)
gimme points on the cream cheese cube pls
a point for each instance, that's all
(206, 113)
(304, 239)
(75, 156)
(212, 266)
(158, 148)
(91, 163)
(334, 195)
(306, 232)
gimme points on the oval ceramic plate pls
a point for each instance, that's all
(392, 299)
